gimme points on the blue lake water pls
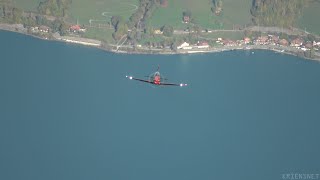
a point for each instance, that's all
(67, 112)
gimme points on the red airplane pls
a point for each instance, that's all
(156, 79)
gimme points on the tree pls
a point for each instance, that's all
(40, 20)
(248, 33)
(63, 28)
(56, 25)
(311, 37)
(115, 20)
(167, 30)
(219, 3)
(16, 15)
(284, 36)
(122, 27)
(312, 52)
(120, 30)
(28, 21)
(309, 53)
(276, 13)
(54, 7)
(187, 13)
(217, 7)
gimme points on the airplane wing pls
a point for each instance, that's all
(161, 84)
(142, 80)
(173, 84)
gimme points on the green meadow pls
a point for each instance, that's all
(100, 34)
(84, 10)
(234, 13)
(225, 35)
(29, 5)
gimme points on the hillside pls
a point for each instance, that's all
(143, 17)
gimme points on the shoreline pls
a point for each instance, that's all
(18, 28)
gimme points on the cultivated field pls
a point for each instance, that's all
(310, 18)
(100, 11)
(234, 13)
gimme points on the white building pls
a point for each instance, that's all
(184, 45)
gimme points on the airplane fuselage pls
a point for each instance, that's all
(156, 80)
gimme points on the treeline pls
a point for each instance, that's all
(54, 7)
(120, 27)
(57, 25)
(281, 13)
(217, 7)
(143, 33)
(139, 18)
(137, 22)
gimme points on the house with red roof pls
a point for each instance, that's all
(76, 28)
(283, 42)
(246, 40)
(296, 42)
(202, 44)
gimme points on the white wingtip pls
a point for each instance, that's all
(130, 77)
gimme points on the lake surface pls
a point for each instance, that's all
(67, 112)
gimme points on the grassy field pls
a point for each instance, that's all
(29, 5)
(309, 20)
(100, 34)
(225, 35)
(234, 13)
(84, 10)
(172, 15)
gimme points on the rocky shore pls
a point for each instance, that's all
(14, 27)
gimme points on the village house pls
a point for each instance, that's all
(157, 31)
(316, 43)
(76, 29)
(164, 3)
(262, 40)
(283, 42)
(246, 40)
(296, 42)
(202, 44)
(44, 29)
(186, 19)
(184, 45)
(228, 42)
(308, 45)
(240, 42)
(219, 41)
(275, 39)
